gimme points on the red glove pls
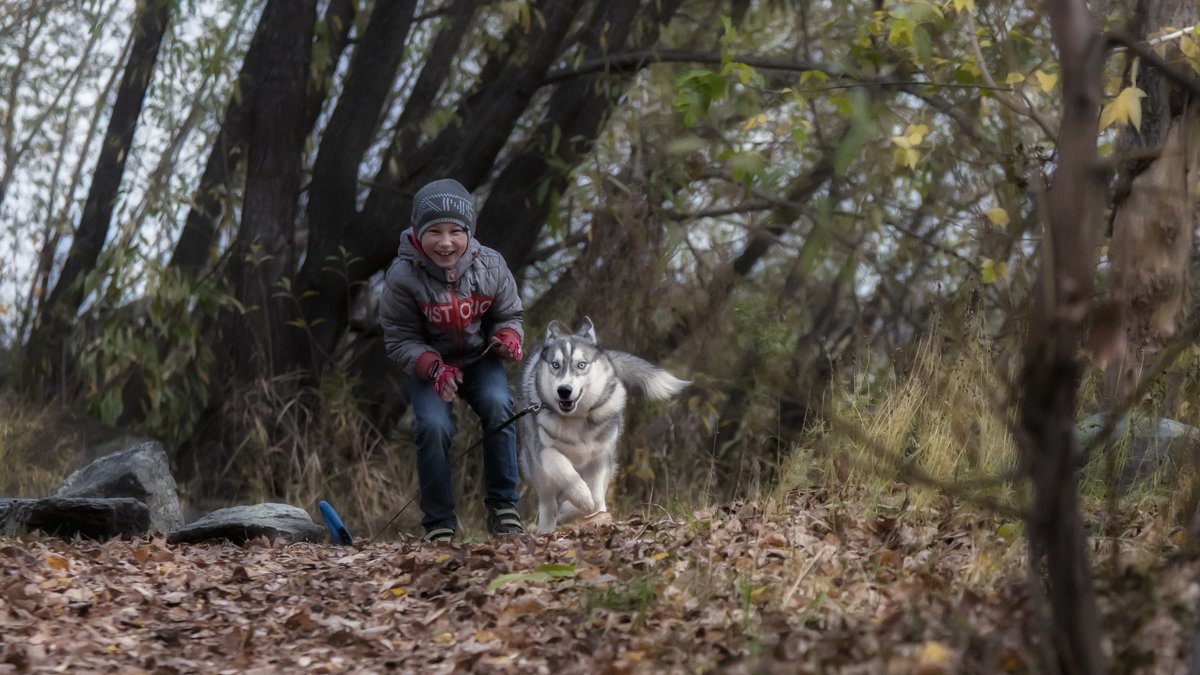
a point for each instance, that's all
(445, 380)
(508, 344)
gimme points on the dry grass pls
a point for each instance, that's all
(40, 444)
(944, 431)
(945, 418)
(945, 421)
(299, 445)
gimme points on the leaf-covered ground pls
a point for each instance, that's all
(810, 586)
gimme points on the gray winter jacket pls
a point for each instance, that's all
(451, 314)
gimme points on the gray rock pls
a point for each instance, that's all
(93, 518)
(1149, 445)
(241, 523)
(141, 472)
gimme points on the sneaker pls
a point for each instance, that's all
(439, 535)
(502, 518)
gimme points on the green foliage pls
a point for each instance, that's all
(544, 572)
(156, 343)
(638, 595)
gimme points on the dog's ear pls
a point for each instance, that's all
(588, 330)
(553, 329)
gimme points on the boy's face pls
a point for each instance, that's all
(445, 243)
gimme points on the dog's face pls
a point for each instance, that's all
(570, 371)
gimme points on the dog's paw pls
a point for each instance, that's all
(597, 518)
(596, 521)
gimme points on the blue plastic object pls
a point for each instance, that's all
(338, 533)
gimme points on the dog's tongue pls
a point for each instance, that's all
(566, 406)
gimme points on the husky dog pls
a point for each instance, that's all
(568, 448)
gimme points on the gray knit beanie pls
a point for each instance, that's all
(443, 201)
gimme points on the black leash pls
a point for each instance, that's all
(532, 408)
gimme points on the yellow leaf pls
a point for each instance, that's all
(660, 555)
(1008, 531)
(916, 133)
(935, 658)
(1126, 108)
(1187, 45)
(399, 592)
(912, 136)
(988, 271)
(634, 655)
(1046, 80)
(753, 122)
(960, 5)
(907, 157)
(56, 562)
(993, 270)
(444, 638)
(998, 216)
(1134, 97)
(1014, 78)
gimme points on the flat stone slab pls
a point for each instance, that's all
(92, 518)
(237, 524)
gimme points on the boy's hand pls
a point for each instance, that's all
(508, 344)
(445, 381)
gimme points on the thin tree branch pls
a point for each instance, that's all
(1022, 107)
(1144, 52)
(745, 207)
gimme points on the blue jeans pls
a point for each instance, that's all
(485, 389)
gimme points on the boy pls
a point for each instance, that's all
(450, 311)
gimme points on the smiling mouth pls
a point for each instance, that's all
(567, 406)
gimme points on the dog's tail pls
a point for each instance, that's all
(646, 377)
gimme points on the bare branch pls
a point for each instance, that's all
(1019, 107)
(1143, 51)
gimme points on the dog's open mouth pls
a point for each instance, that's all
(567, 406)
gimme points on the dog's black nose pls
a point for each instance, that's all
(564, 392)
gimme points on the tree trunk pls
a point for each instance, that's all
(324, 291)
(468, 150)
(194, 250)
(259, 338)
(513, 216)
(421, 101)
(1050, 375)
(1154, 221)
(47, 339)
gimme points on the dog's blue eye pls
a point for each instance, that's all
(555, 365)
(581, 365)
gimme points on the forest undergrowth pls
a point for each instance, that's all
(892, 540)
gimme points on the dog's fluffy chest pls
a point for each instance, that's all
(580, 439)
